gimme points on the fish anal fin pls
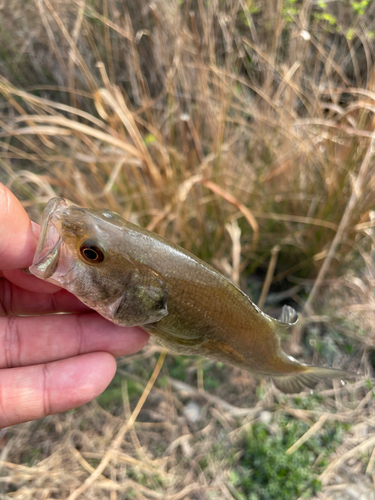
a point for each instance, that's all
(309, 378)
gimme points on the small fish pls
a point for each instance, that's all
(132, 276)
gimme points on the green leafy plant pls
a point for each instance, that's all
(360, 7)
(266, 472)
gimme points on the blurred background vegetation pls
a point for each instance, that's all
(243, 131)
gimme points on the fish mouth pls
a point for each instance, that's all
(47, 254)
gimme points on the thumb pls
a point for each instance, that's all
(17, 239)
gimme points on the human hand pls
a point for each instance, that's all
(48, 363)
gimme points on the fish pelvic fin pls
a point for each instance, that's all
(309, 378)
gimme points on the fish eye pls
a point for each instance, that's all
(91, 252)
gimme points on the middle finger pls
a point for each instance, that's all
(40, 339)
(15, 300)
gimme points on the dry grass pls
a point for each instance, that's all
(84, 454)
(242, 131)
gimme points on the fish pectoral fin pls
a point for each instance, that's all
(144, 300)
(309, 378)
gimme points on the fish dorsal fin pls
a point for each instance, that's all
(288, 316)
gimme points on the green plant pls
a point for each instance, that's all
(266, 472)
(112, 398)
(360, 7)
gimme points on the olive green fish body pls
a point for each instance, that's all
(135, 277)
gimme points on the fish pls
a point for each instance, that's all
(135, 277)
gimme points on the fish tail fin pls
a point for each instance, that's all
(309, 377)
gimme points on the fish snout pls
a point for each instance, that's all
(47, 253)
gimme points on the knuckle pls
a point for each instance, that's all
(4, 417)
(46, 390)
(81, 341)
(6, 297)
(53, 303)
(12, 343)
